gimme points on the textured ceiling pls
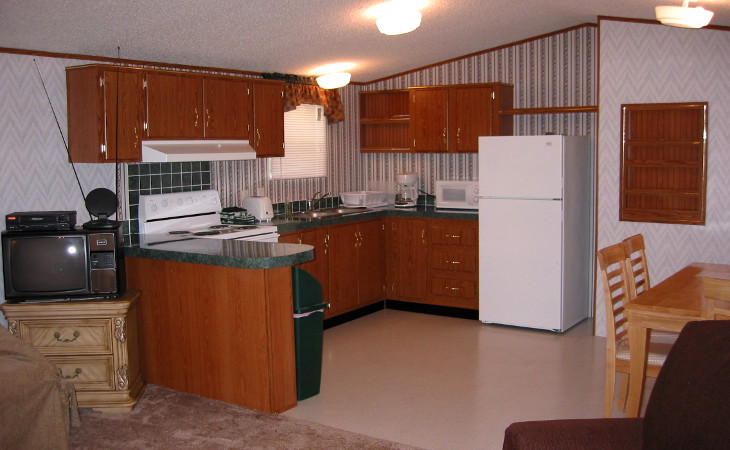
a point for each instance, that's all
(297, 36)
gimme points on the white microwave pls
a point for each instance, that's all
(457, 194)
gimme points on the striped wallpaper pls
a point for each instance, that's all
(559, 70)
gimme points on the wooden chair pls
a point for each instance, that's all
(638, 269)
(615, 275)
(717, 293)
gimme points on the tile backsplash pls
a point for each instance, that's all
(161, 178)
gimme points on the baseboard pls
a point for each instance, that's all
(438, 310)
(352, 315)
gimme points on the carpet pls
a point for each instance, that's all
(168, 419)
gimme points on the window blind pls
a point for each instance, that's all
(305, 136)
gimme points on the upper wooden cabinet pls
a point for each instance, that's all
(433, 118)
(105, 114)
(111, 109)
(181, 106)
(268, 118)
(384, 120)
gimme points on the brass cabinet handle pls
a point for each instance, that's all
(326, 243)
(77, 372)
(196, 117)
(258, 138)
(453, 236)
(136, 138)
(299, 239)
(458, 135)
(208, 118)
(453, 262)
(57, 335)
(443, 135)
(453, 288)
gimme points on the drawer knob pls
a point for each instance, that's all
(77, 372)
(453, 288)
(57, 335)
(453, 236)
(453, 262)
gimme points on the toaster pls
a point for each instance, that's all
(259, 206)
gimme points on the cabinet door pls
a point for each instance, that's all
(227, 108)
(268, 106)
(343, 284)
(406, 259)
(429, 119)
(123, 113)
(174, 106)
(470, 116)
(371, 261)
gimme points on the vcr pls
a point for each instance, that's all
(40, 221)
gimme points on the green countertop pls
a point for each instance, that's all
(267, 255)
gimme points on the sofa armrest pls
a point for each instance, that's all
(578, 434)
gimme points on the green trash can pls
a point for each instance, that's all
(308, 332)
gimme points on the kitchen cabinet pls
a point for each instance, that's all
(105, 114)
(451, 118)
(94, 344)
(406, 259)
(357, 272)
(183, 106)
(384, 121)
(319, 266)
(453, 261)
(111, 109)
(268, 118)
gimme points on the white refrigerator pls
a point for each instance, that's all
(536, 216)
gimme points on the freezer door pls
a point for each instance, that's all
(520, 259)
(521, 166)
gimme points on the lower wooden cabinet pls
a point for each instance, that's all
(431, 261)
(453, 263)
(94, 344)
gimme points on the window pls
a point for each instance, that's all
(305, 141)
(664, 163)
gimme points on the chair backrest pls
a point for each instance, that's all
(614, 273)
(689, 406)
(638, 268)
(717, 294)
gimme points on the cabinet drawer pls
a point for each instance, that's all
(448, 234)
(454, 260)
(87, 372)
(53, 337)
(448, 287)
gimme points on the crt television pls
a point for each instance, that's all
(61, 265)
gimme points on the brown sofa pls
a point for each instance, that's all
(37, 405)
(689, 407)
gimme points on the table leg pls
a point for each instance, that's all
(639, 344)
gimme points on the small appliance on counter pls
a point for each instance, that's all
(259, 206)
(40, 221)
(456, 194)
(364, 199)
(406, 194)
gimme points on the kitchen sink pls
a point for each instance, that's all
(325, 213)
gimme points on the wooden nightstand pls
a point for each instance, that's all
(94, 343)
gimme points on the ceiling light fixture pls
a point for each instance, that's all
(397, 16)
(684, 16)
(333, 80)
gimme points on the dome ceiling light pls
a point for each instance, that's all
(684, 16)
(397, 16)
(333, 80)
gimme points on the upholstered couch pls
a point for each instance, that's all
(37, 405)
(689, 407)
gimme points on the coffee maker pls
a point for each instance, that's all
(406, 193)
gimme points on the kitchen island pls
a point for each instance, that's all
(215, 318)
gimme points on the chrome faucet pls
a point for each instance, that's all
(314, 201)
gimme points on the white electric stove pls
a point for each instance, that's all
(191, 215)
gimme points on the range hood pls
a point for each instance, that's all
(198, 150)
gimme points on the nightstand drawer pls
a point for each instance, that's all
(448, 287)
(79, 336)
(87, 372)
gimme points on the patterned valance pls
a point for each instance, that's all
(299, 90)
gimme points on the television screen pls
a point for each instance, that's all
(48, 263)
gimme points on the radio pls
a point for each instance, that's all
(40, 221)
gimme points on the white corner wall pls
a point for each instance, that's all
(648, 63)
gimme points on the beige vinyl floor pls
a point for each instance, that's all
(445, 383)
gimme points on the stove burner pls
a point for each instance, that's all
(207, 233)
(215, 227)
(244, 227)
(178, 232)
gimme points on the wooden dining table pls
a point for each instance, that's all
(667, 306)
